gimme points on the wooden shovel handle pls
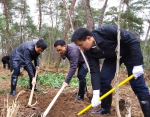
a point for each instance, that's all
(32, 91)
(53, 101)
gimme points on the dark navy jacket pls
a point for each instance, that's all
(75, 58)
(23, 56)
(106, 40)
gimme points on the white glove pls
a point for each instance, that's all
(95, 102)
(137, 71)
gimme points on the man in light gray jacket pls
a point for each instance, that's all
(72, 52)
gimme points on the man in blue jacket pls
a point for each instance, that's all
(72, 52)
(102, 43)
(22, 56)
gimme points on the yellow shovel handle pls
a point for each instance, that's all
(106, 94)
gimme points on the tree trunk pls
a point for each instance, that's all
(102, 13)
(40, 18)
(6, 13)
(146, 56)
(118, 61)
(90, 21)
(68, 20)
(146, 37)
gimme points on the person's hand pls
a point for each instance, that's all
(65, 84)
(95, 102)
(137, 71)
(37, 68)
(33, 81)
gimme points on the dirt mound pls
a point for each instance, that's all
(65, 106)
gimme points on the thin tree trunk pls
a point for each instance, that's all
(21, 29)
(6, 13)
(51, 34)
(146, 56)
(90, 21)
(146, 37)
(118, 61)
(102, 13)
(68, 19)
(40, 18)
(101, 19)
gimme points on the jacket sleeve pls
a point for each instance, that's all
(74, 56)
(127, 38)
(28, 62)
(36, 61)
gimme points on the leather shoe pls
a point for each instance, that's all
(36, 89)
(101, 111)
(79, 98)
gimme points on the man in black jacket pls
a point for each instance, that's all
(22, 56)
(101, 43)
(72, 52)
(6, 60)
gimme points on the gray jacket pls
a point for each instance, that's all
(75, 58)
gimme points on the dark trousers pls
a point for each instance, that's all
(82, 81)
(16, 72)
(14, 78)
(108, 72)
(82, 73)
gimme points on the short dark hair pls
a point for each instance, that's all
(80, 34)
(59, 42)
(41, 43)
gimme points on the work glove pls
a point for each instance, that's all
(137, 71)
(95, 102)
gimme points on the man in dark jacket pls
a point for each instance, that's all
(101, 43)
(6, 60)
(72, 52)
(22, 56)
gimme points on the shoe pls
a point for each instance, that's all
(101, 111)
(145, 104)
(79, 98)
(35, 89)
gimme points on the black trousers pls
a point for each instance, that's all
(108, 72)
(16, 71)
(82, 71)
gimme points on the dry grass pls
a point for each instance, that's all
(10, 110)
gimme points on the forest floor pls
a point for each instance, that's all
(65, 106)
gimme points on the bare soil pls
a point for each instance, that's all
(65, 106)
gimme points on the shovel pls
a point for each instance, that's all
(53, 101)
(106, 94)
(32, 91)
